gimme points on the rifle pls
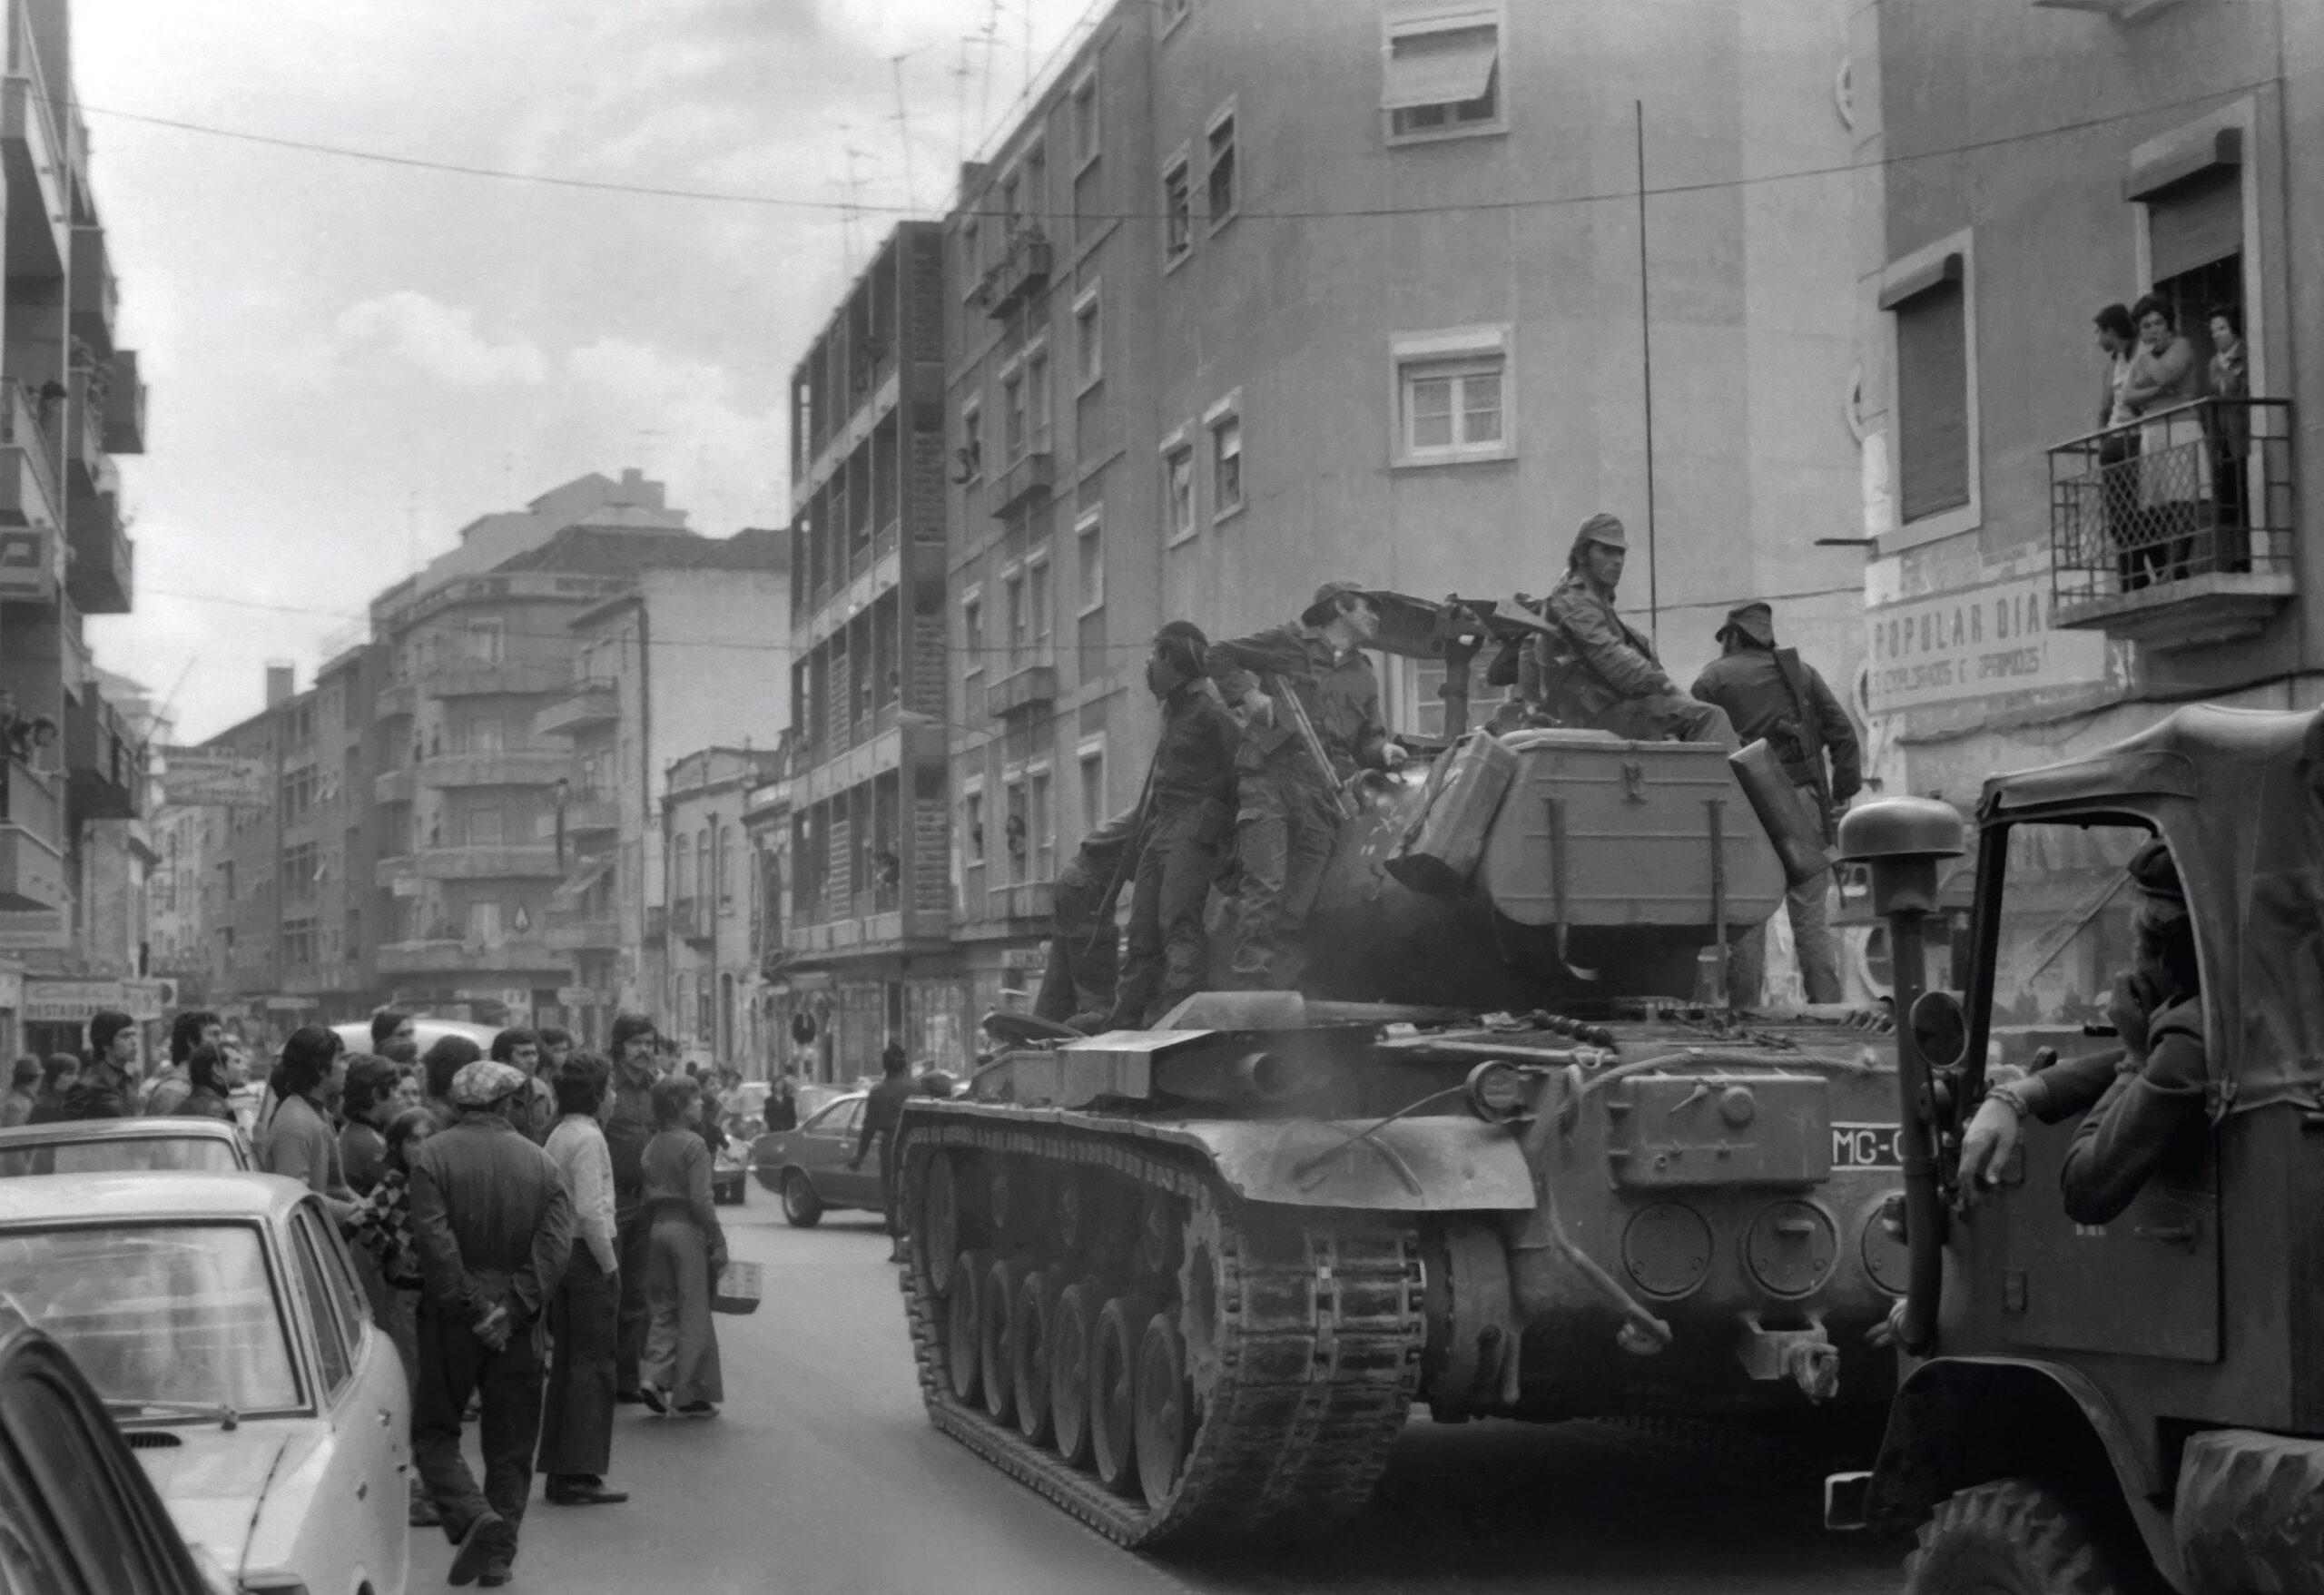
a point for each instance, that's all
(1811, 738)
(1305, 729)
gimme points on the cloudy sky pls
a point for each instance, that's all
(351, 359)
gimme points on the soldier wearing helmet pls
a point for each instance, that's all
(1603, 675)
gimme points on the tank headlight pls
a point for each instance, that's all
(1496, 1092)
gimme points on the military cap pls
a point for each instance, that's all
(1755, 620)
(1604, 528)
(1327, 601)
(2153, 872)
(484, 1082)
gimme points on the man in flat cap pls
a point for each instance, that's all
(493, 1225)
(1602, 675)
(1771, 693)
(2143, 1096)
(1288, 808)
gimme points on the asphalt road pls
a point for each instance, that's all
(822, 1475)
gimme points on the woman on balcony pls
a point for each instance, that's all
(2230, 435)
(2174, 465)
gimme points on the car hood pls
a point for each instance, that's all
(227, 1488)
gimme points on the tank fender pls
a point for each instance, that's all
(1964, 1421)
(1408, 1166)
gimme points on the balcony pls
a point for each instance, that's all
(693, 919)
(485, 678)
(454, 956)
(101, 575)
(2176, 531)
(586, 706)
(1023, 272)
(125, 418)
(507, 767)
(581, 930)
(1031, 686)
(96, 295)
(28, 495)
(1025, 483)
(588, 815)
(100, 759)
(396, 786)
(396, 701)
(83, 423)
(32, 842)
(489, 861)
(33, 151)
(395, 867)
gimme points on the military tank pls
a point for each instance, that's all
(1499, 1155)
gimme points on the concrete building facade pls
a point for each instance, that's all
(870, 898)
(1258, 296)
(713, 905)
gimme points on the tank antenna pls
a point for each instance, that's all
(1645, 363)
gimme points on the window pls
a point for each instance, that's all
(1037, 188)
(1039, 600)
(1013, 584)
(725, 863)
(972, 258)
(1089, 338)
(336, 1362)
(1926, 297)
(972, 827)
(483, 735)
(1178, 492)
(1452, 397)
(1442, 74)
(297, 794)
(1226, 465)
(970, 458)
(1093, 784)
(1224, 193)
(1012, 411)
(972, 632)
(299, 942)
(1013, 832)
(1043, 823)
(702, 865)
(484, 922)
(1011, 195)
(299, 870)
(1087, 131)
(1090, 562)
(484, 642)
(1036, 400)
(1177, 210)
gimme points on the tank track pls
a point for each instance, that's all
(1312, 1362)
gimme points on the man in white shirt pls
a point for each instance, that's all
(577, 1414)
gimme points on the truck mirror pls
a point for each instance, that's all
(1940, 1028)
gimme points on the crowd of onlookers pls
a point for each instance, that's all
(533, 1223)
(2171, 481)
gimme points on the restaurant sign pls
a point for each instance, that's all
(1974, 643)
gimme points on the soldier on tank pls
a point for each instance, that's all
(1191, 813)
(1085, 946)
(1770, 692)
(1603, 675)
(1287, 801)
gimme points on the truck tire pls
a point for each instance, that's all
(2014, 1537)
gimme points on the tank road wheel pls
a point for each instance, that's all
(2014, 1537)
(940, 1218)
(1157, 1236)
(964, 1322)
(1072, 1331)
(1113, 1390)
(997, 1337)
(1162, 1423)
(1030, 1342)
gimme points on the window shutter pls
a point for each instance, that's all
(2195, 222)
(1932, 401)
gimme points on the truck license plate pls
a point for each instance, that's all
(1864, 1145)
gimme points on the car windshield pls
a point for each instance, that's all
(157, 1311)
(122, 1155)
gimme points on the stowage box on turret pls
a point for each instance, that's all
(1497, 1156)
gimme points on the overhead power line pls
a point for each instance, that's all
(1249, 212)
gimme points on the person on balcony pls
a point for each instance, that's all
(2118, 449)
(2231, 436)
(2174, 472)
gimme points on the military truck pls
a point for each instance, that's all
(1504, 1154)
(2093, 1407)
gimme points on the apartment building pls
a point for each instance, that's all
(689, 653)
(70, 401)
(1257, 296)
(871, 892)
(708, 924)
(2013, 617)
(773, 1039)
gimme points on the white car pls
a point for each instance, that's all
(220, 1318)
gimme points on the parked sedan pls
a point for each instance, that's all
(807, 1168)
(124, 1146)
(220, 1318)
(81, 1514)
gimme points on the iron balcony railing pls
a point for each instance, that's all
(2200, 490)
